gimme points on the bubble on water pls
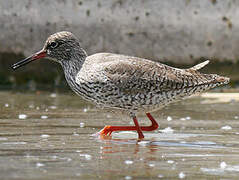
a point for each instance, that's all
(169, 118)
(223, 165)
(75, 134)
(236, 117)
(127, 177)
(40, 164)
(6, 105)
(160, 176)
(31, 106)
(170, 161)
(14, 143)
(78, 174)
(54, 157)
(82, 124)
(28, 156)
(143, 143)
(128, 162)
(44, 117)
(53, 95)
(45, 136)
(37, 108)
(188, 118)
(22, 116)
(151, 165)
(227, 127)
(68, 159)
(87, 156)
(52, 107)
(85, 110)
(3, 139)
(182, 119)
(167, 130)
(181, 175)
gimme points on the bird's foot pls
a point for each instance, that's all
(106, 131)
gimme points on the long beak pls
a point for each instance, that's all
(29, 59)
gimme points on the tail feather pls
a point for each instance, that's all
(212, 79)
(221, 80)
(199, 66)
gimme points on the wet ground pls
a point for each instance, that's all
(46, 135)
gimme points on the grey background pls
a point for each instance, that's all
(179, 31)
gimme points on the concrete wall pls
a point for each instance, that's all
(178, 31)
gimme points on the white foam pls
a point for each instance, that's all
(87, 156)
(82, 124)
(223, 165)
(45, 136)
(167, 130)
(128, 162)
(22, 116)
(170, 161)
(227, 127)
(44, 117)
(128, 177)
(169, 118)
(53, 95)
(181, 175)
(40, 164)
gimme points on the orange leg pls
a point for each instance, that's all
(107, 130)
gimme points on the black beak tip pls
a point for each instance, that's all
(29, 59)
(13, 67)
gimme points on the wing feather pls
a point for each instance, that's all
(142, 76)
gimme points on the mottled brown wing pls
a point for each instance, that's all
(141, 76)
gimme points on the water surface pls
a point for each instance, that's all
(46, 135)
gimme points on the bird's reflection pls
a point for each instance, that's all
(116, 145)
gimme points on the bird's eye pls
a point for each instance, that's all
(53, 45)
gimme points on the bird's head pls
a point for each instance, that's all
(61, 46)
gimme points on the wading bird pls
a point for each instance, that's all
(124, 83)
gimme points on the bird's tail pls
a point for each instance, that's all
(217, 80)
(200, 66)
(213, 80)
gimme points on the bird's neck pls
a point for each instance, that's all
(72, 66)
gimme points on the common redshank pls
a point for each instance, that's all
(125, 83)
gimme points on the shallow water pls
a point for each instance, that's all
(47, 135)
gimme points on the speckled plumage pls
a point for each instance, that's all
(122, 82)
(128, 83)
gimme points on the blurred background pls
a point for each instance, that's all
(178, 33)
(45, 128)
